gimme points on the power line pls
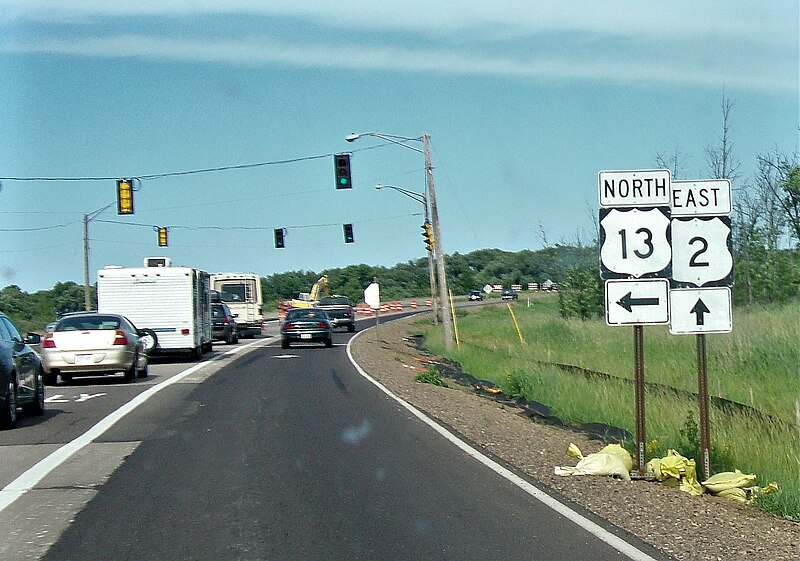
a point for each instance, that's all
(154, 176)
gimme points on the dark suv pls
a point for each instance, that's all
(223, 324)
(21, 376)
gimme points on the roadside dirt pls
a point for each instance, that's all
(680, 525)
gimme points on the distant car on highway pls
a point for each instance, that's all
(21, 376)
(340, 311)
(475, 295)
(94, 344)
(223, 324)
(306, 325)
(509, 294)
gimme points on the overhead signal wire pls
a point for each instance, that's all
(154, 176)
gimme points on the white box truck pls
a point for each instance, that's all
(173, 302)
(242, 293)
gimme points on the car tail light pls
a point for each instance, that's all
(48, 342)
(289, 325)
(322, 325)
(225, 321)
(120, 338)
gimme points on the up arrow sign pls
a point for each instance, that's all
(628, 301)
(700, 310)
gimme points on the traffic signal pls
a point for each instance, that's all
(279, 233)
(124, 196)
(348, 233)
(162, 236)
(342, 164)
(427, 235)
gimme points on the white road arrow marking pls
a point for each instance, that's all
(87, 397)
(56, 399)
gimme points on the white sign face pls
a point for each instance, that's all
(708, 197)
(487, 288)
(701, 252)
(639, 188)
(372, 296)
(631, 302)
(700, 310)
(634, 243)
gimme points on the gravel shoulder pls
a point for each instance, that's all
(674, 522)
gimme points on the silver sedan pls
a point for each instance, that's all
(94, 344)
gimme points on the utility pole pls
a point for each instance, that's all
(431, 270)
(87, 298)
(447, 318)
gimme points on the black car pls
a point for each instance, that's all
(475, 295)
(21, 376)
(223, 324)
(306, 325)
(509, 294)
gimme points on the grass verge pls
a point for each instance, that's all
(757, 365)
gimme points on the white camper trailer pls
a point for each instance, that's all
(173, 302)
(242, 293)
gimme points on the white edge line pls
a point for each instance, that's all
(33, 475)
(614, 541)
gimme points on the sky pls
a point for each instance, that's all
(229, 114)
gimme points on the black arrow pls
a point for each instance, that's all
(628, 302)
(701, 310)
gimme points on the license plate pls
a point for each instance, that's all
(305, 335)
(83, 359)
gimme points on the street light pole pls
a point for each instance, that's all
(447, 317)
(87, 297)
(419, 197)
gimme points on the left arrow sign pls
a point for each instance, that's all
(628, 302)
(634, 302)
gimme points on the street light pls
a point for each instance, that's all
(421, 198)
(447, 318)
(87, 299)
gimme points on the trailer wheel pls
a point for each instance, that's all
(150, 340)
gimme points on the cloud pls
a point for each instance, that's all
(700, 44)
(599, 66)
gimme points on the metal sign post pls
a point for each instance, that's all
(702, 397)
(638, 379)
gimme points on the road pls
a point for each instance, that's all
(269, 454)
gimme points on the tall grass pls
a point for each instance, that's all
(757, 365)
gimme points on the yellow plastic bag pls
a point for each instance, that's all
(728, 480)
(611, 460)
(674, 470)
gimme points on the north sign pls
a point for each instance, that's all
(700, 310)
(706, 197)
(702, 252)
(635, 243)
(637, 302)
(639, 188)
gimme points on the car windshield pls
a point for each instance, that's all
(82, 323)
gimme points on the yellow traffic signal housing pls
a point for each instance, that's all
(162, 236)
(124, 196)
(427, 235)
